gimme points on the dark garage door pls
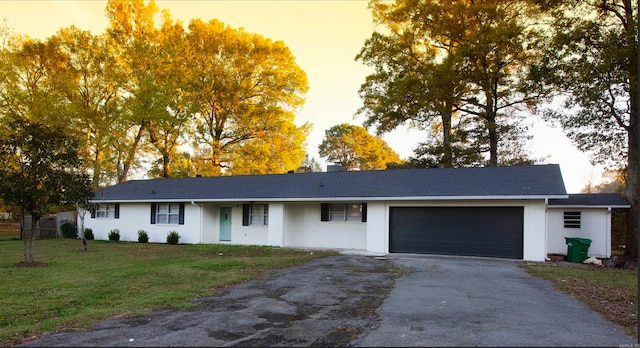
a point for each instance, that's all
(472, 231)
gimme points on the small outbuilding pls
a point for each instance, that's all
(586, 216)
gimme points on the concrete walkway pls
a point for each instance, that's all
(455, 301)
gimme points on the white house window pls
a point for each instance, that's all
(255, 214)
(167, 213)
(343, 212)
(106, 211)
(571, 219)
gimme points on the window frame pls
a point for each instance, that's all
(106, 211)
(251, 216)
(156, 213)
(341, 212)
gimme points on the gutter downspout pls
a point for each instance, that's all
(608, 235)
(546, 230)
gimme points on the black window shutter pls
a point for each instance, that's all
(153, 213)
(245, 214)
(324, 211)
(117, 211)
(181, 214)
(364, 212)
(93, 211)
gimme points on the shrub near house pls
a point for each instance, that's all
(143, 237)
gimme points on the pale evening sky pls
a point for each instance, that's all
(323, 35)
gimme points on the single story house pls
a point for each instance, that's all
(487, 211)
(582, 216)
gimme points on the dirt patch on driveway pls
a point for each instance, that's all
(327, 302)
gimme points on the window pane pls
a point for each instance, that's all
(256, 220)
(173, 218)
(162, 209)
(354, 209)
(162, 218)
(106, 211)
(256, 208)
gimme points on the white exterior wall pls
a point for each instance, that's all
(534, 238)
(298, 225)
(275, 233)
(137, 216)
(210, 224)
(303, 229)
(595, 224)
(378, 227)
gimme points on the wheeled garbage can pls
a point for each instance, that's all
(577, 249)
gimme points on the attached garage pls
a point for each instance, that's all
(468, 231)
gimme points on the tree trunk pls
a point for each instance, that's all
(216, 149)
(82, 236)
(633, 141)
(493, 142)
(447, 158)
(35, 219)
(166, 165)
(491, 112)
(97, 169)
(122, 177)
(633, 135)
(23, 236)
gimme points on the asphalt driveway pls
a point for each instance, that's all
(460, 301)
(355, 300)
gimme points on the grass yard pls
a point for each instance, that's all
(612, 292)
(75, 289)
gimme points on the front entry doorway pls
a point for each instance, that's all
(225, 224)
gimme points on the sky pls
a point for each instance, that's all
(323, 35)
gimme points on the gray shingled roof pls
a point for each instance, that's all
(591, 199)
(540, 181)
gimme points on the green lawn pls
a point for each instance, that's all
(76, 288)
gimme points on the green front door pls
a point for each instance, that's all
(225, 223)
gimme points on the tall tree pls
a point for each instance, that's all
(168, 125)
(133, 36)
(246, 92)
(280, 152)
(417, 78)
(439, 60)
(591, 63)
(355, 149)
(93, 98)
(30, 84)
(39, 168)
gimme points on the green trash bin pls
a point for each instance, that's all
(577, 249)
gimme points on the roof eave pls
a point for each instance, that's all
(584, 206)
(336, 199)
